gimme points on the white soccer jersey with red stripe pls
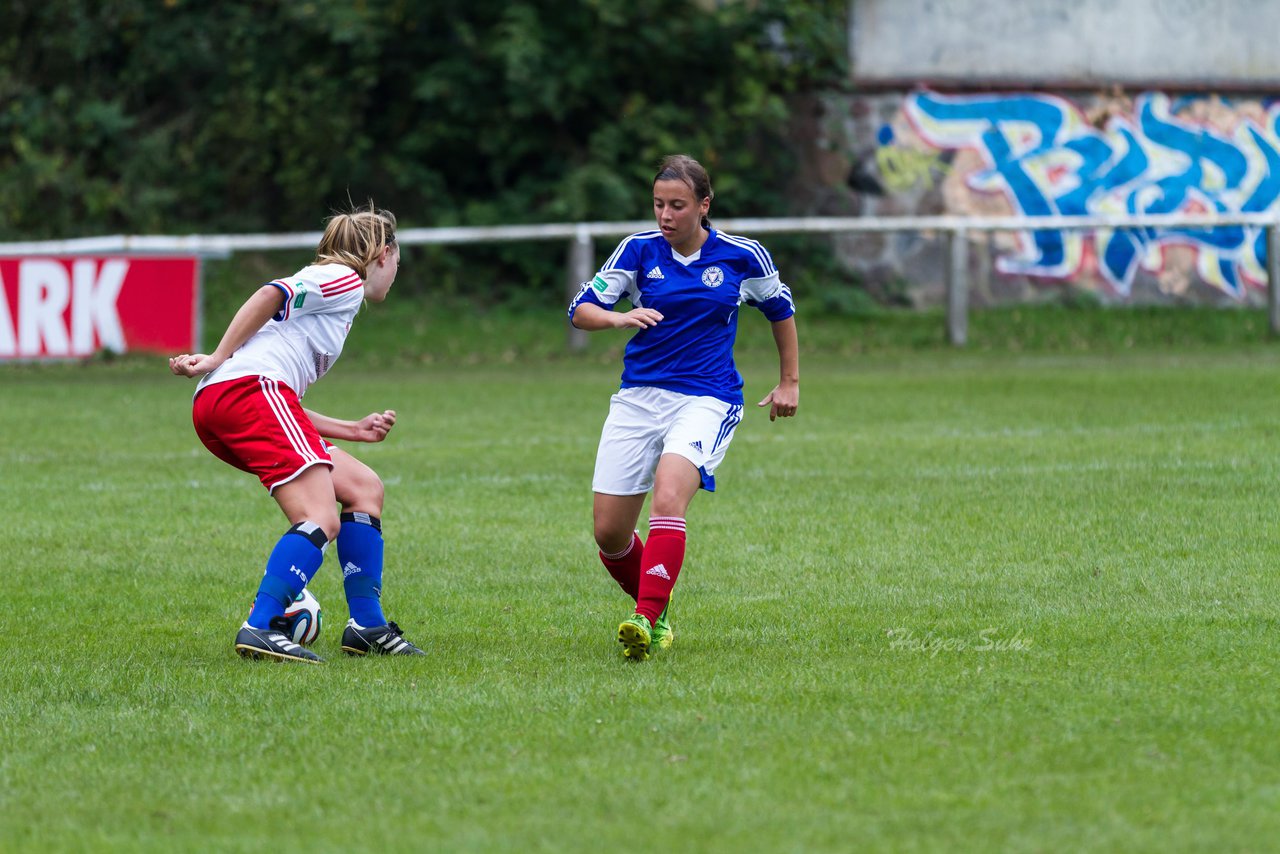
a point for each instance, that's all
(305, 337)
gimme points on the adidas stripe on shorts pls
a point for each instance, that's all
(644, 423)
(257, 425)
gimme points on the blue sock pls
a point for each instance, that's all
(360, 553)
(293, 561)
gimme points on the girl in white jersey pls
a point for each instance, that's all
(247, 412)
(681, 397)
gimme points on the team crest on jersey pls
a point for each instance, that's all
(713, 277)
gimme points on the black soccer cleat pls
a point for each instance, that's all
(381, 640)
(273, 644)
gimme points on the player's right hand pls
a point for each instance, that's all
(193, 364)
(638, 318)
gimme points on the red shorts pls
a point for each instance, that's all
(257, 425)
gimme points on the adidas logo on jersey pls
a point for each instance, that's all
(655, 273)
(660, 571)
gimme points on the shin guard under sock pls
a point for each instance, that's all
(360, 553)
(660, 564)
(293, 562)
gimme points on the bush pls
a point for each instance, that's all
(177, 117)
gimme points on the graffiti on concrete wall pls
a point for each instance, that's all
(1041, 155)
(902, 168)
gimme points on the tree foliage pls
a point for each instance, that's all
(143, 116)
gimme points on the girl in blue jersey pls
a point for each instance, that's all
(681, 398)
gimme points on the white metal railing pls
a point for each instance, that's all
(581, 238)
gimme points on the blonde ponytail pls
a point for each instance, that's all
(357, 238)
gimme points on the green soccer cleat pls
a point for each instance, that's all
(635, 635)
(663, 635)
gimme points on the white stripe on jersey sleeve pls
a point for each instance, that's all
(611, 264)
(759, 290)
(618, 284)
(785, 294)
(753, 246)
(606, 289)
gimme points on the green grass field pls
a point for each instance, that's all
(964, 601)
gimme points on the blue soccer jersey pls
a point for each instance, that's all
(691, 350)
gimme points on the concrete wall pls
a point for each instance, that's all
(1051, 140)
(1001, 153)
(1194, 43)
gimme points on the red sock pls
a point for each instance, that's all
(660, 564)
(625, 565)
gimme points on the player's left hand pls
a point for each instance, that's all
(375, 426)
(783, 401)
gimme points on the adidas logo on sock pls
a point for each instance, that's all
(655, 273)
(660, 571)
(349, 569)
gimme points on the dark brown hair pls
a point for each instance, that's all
(682, 167)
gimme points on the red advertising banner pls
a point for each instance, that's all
(61, 307)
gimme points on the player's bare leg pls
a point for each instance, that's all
(615, 518)
(356, 486)
(309, 497)
(674, 485)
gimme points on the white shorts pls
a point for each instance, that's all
(645, 423)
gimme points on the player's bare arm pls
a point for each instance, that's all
(251, 317)
(784, 400)
(593, 318)
(374, 427)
